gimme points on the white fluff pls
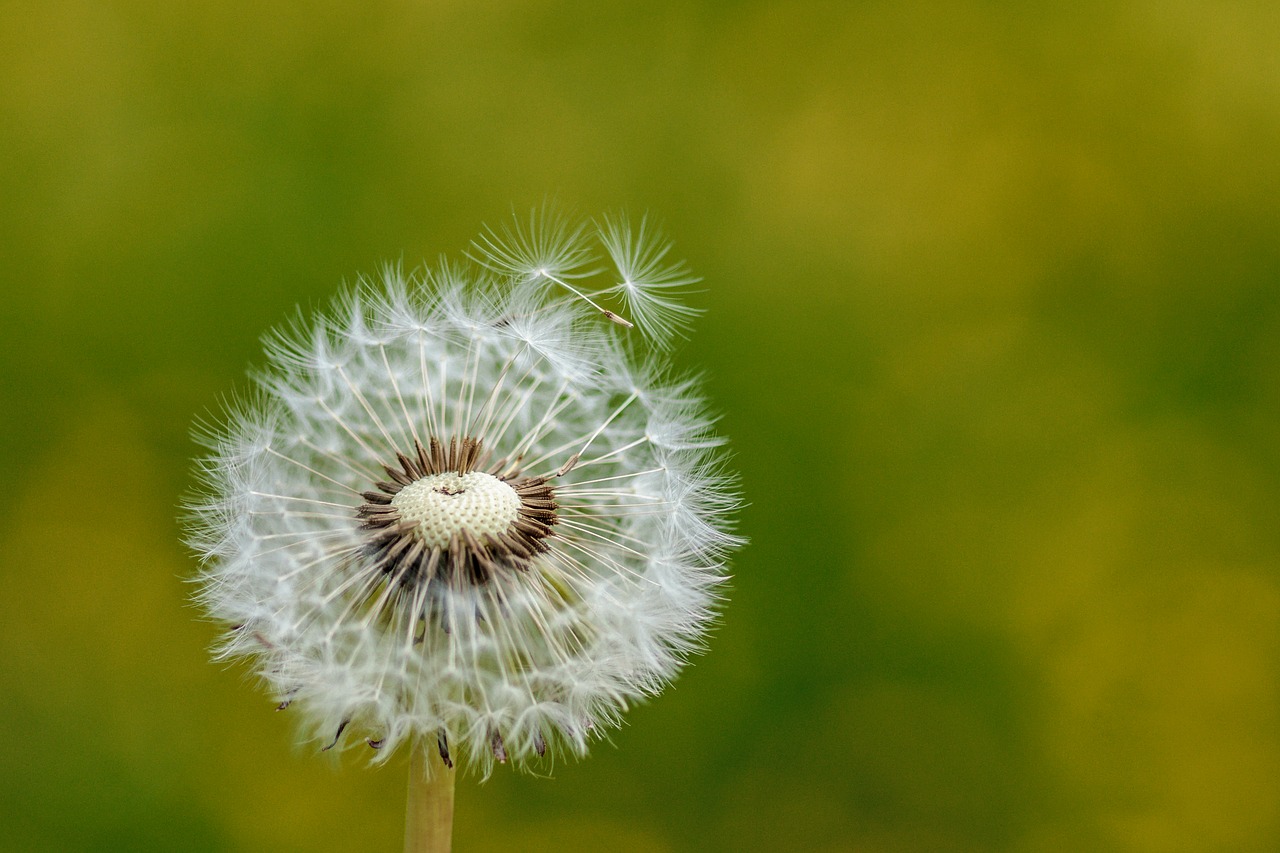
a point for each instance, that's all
(516, 354)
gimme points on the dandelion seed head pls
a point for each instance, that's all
(466, 506)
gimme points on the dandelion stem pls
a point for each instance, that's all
(429, 812)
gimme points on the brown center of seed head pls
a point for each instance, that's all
(439, 518)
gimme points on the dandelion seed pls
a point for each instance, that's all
(651, 286)
(549, 246)
(460, 512)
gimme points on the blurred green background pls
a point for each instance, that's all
(994, 320)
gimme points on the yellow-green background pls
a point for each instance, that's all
(994, 320)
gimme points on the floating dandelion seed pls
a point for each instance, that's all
(461, 512)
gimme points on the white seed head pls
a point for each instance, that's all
(465, 506)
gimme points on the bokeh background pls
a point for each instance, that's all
(993, 300)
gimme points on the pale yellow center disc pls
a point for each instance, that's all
(441, 506)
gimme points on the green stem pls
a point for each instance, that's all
(428, 826)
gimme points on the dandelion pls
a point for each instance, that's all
(469, 511)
